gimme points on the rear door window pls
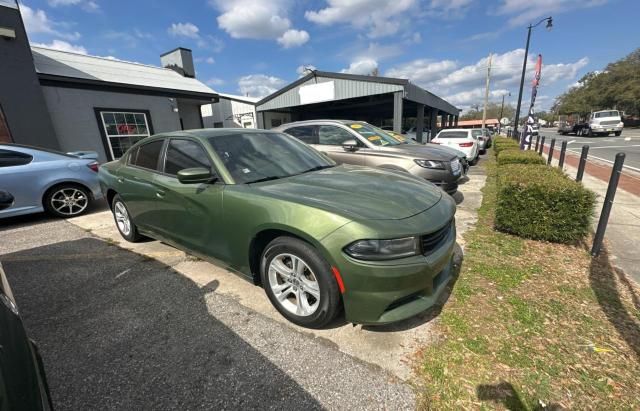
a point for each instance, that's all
(453, 134)
(9, 158)
(306, 134)
(148, 155)
(183, 154)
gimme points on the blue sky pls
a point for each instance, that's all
(255, 47)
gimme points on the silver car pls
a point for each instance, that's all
(360, 143)
(41, 180)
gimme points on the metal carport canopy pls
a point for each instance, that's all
(351, 86)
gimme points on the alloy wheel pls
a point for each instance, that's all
(294, 285)
(69, 201)
(122, 218)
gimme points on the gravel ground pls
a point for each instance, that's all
(121, 331)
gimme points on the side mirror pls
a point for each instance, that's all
(350, 145)
(195, 175)
(6, 200)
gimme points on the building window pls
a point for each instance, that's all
(218, 124)
(124, 129)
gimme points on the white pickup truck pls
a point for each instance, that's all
(605, 122)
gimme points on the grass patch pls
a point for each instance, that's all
(531, 322)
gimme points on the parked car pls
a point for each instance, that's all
(314, 234)
(62, 184)
(460, 139)
(461, 156)
(426, 133)
(23, 383)
(488, 134)
(483, 142)
(360, 143)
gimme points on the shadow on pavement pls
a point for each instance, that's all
(119, 331)
(506, 395)
(604, 279)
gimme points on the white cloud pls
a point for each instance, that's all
(210, 60)
(37, 22)
(259, 85)
(378, 17)
(448, 8)
(464, 85)
(258, 19)
(87, 5)
(215, 81)
(63, 46)
(365, 66)
(293, 38)
(526, 11)
(304, 69)
(211, 42)
(189, 30)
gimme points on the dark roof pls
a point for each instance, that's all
(331, 74)
(171, 51)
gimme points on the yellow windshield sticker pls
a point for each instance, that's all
(356, 126)
(373, 138)
(398, 137)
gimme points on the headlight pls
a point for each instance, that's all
(430, 164)
(383, 249)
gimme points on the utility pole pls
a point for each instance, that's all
(486, 93)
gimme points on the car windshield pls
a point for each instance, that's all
(399, 137)
(254, 157)
(453, 134)
(607, 114)
(374, 135)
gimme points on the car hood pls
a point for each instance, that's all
(421, 151)
(357, 192)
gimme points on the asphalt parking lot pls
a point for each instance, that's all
(144, 325)
(603, 148)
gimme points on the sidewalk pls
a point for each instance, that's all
(622, 237)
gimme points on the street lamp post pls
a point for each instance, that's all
(549, 21)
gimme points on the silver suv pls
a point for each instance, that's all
(360, 143)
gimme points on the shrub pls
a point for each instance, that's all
(502, 143)
(542, 203)
(511, 156)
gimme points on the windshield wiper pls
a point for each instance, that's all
(318, 168)
(265, 179)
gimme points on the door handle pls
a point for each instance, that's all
(160, 193)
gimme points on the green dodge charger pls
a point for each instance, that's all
(317, 236)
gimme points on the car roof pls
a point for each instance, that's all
(212, 132)
(458, 129)
(305, 122)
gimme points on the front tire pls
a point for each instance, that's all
(67, 200)
(125, 225)
(299, 282)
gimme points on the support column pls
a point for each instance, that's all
(260, 119)
(434, 123)
(397, 111)
(455, 121)
(419, 122)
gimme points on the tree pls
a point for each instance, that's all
(493, 111)
(617, 87)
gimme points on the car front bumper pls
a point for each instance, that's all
(607, 129)
(444, 179)
(381, 292)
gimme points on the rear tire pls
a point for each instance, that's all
(299, 282)
(67, 200)
(590, 133)
(122, 218)
(618, 133)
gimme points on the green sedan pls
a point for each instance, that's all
(317, 236)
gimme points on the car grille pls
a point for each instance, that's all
(431, 241)
(455, 166)
(609, 122)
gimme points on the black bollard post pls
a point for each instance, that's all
(542, 145)
(553, 143)
(608, 203)
(583, 162)
(563, 150)
(537, 141)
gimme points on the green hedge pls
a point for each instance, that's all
(502, 143)
(513, 156)
(541, 203)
